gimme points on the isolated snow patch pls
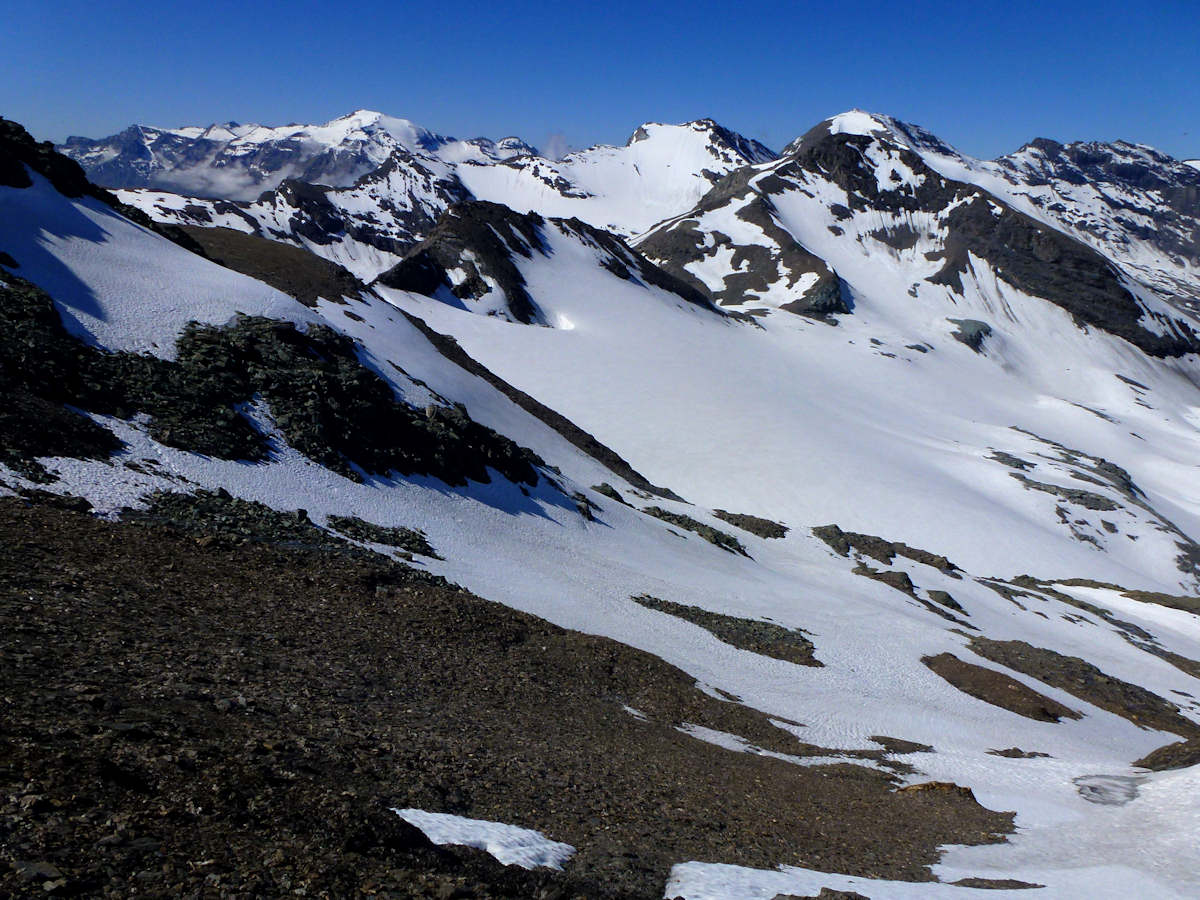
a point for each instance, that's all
(509, 844)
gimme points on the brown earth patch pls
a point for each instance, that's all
(756, 525)
(293, 270)
(1182, 602)
(763, 638)
(1083, 680)
(881, 549)
(998, 689)
(1173, 756)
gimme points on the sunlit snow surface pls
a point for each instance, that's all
(509, 844)
(797, 421)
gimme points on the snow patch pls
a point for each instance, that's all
(509, 844)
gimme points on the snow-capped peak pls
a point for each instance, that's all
(719, 139)
(369, 122)
(858, 121)
(238, 162)
(876, 125)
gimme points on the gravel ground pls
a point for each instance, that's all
(209, 716)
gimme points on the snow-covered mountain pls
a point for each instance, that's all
(1131, 203)
(239, 162)
(852, 210)
(659, 170)
(1134, 204)
(963, 475)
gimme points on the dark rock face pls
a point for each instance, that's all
(479, 238)
(325, 401)
(1030, 256)
(840, 159)
(410, 198)
(1048, 264)
(18, 149)
(753, 268)
(1174, 215)
(971, 332)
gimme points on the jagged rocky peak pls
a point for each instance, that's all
(1081, 162)
(18, 149)
(1132, 202)
(806, 233)
(469, 256)
(875, 125)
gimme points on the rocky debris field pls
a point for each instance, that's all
(191, 714)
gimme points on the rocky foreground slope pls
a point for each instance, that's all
(215, 710)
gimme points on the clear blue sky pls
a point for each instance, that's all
(984, 75)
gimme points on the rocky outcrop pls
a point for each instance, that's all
(470, 254)
(327, 404)
(474, 252)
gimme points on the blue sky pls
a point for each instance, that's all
(984, 75)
